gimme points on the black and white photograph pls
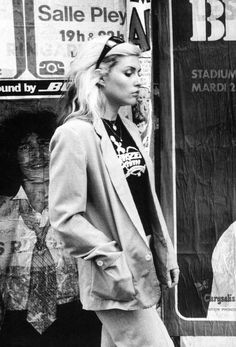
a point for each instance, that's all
(118, 173)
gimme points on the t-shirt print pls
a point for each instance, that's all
(130, 158)
(134, 168)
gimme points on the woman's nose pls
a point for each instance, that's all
(138, 80)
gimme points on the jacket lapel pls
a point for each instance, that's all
(117, 177)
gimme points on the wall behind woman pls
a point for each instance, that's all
(197, 92)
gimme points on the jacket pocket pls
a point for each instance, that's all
(114, 281)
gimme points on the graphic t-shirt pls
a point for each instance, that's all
(133, 165)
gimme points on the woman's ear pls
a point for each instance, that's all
(100, 76)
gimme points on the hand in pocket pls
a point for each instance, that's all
(113, 281)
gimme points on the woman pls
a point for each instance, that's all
(102, 199)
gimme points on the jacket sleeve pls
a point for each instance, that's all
(68, 197)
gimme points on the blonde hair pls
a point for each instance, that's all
(84, 97)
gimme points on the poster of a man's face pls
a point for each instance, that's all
(33, 159)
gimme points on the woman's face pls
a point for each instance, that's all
(122, 83)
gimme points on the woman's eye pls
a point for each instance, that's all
(128, 73)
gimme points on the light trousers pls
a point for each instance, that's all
(139, 328)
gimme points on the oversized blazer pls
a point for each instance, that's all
(91, 206)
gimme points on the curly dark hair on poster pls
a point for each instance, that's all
(13, 129)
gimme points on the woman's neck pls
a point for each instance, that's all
(111, 112)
